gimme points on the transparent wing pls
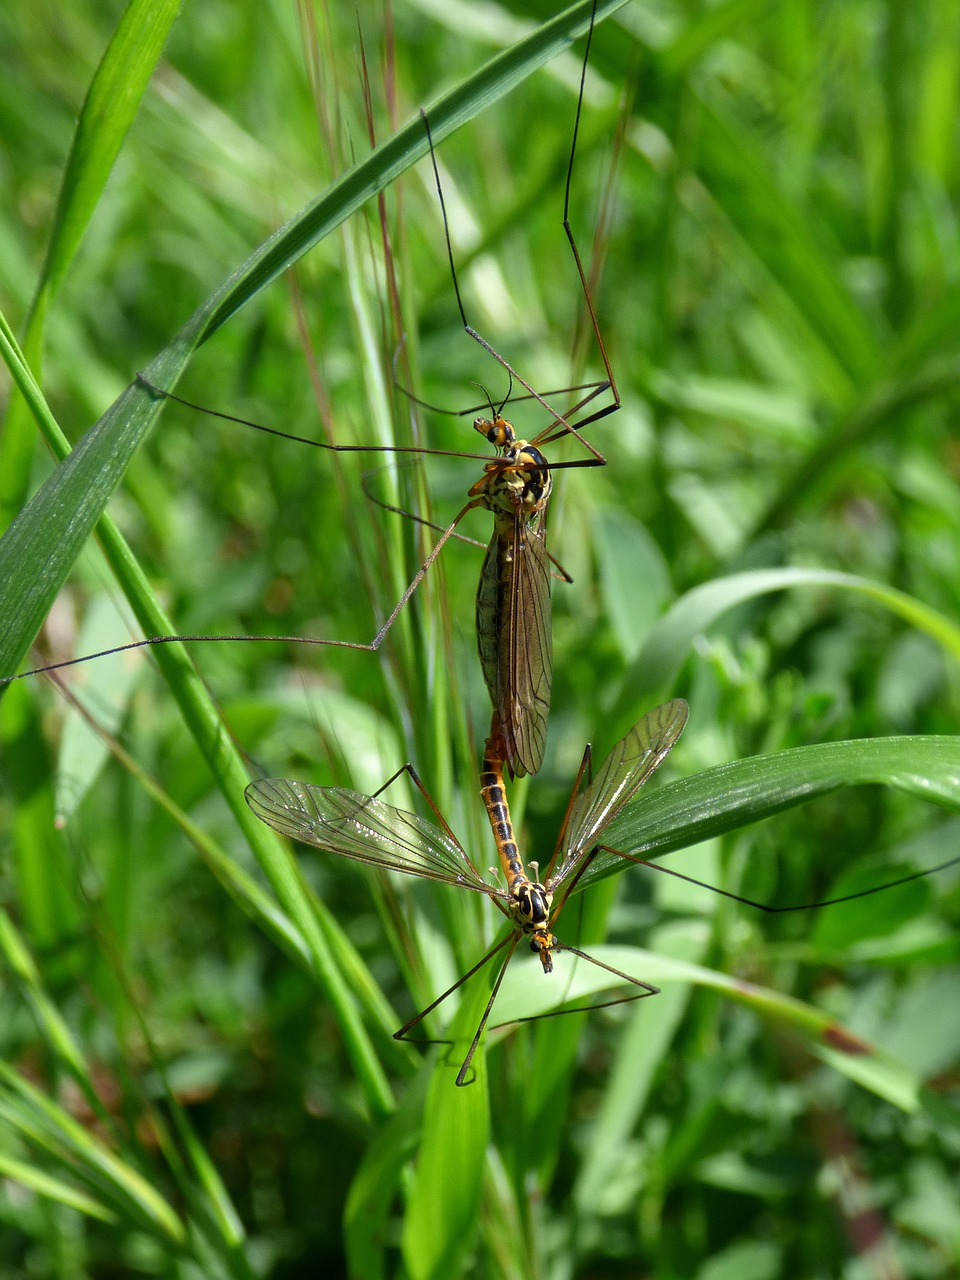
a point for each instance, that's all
(622, 774)
(365, 829)
(527, 655)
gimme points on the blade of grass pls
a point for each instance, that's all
(641, 1048)
(655, 668)
(377, 1182)
(42, 1184)
(41, 1120)
(108, 111)
(734, 795)
(442, 1209)
(56, 1034)
(780, 235)
(848, 1053)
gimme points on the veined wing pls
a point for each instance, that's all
(622, 774)
(363, 828)
(514, 635)
(527, 658)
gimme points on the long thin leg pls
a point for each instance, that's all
(558, 418)
(592, 388)
(647, 989)
(763, 906)
(371, 647)
(511, 942)
(561, 422)
(568, 231)
(434, 807)
(461, 1079)
(315, 444)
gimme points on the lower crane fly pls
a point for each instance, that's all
(368, 830)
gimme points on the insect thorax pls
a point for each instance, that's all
(530, 904)
(518, 483)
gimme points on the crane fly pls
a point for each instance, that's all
(513, 609)
(513, 598)
(368, 830)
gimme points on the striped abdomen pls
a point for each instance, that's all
(530, 901)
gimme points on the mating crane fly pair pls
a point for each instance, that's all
(514, 643)
(513, 630)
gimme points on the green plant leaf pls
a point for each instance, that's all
(835, 1044)
(734, 795)
(654, 670)
(441, 1220)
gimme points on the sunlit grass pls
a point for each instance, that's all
(777, 297)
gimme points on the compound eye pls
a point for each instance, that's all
(498, 431)
(488, 429)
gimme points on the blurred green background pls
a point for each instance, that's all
(768, 199)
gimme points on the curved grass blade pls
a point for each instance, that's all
(377, 1181)
(42, 1184)
(440, 1225)
(42, 1121)
(672, 637)
(108, 111)
(735, 795)
(829, 1039)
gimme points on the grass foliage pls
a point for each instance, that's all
(197, 1075)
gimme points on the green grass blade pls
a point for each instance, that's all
(779, 234)
(215, 1206)
(829, 1039)
(441, 1221)
(46, 1123)
(42, 1184)
(377, 1181)
(654, 670)
(41, 546)
(882, 412)
(734, 795)
(109, 109)
(641, 1048)
(56, 1033)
